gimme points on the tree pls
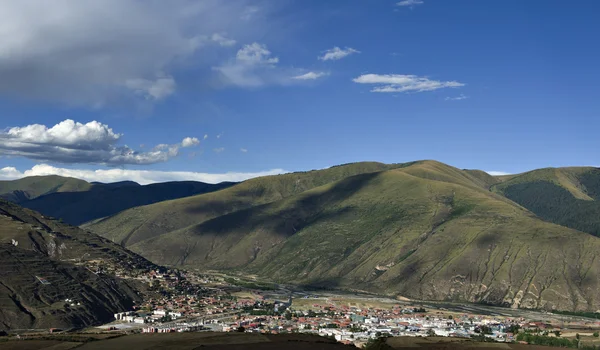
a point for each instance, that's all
(557, 333)
(431, 333)
(596, 334)
(241, 329)
(288, 316)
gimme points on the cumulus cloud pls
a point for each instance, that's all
(205, 136)
(101, 51)
(140, 176)
(498, 173)
(410, 3)
(190, 141)
(404, 83)
(457, 98)
(337, 54)
(74, 142)
(310, 76)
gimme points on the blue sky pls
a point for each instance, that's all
(280, 86)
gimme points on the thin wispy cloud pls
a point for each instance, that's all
(410, 3)
(311, 76)
(243, 150)
(140, 176)
(253, 66)
(337, 53)
(456, 98)
(219, 150)
(72, 142)
(393, 83)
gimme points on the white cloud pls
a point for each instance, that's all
(498, 173)
(205, 136)
(337, 53)
(101, 51)
(189, 142)
(222, 40)
(457, 98)
(404, 83)
(152, 89)
(219, 150)
(253, 66)
(140, 176)
(10, 173)
(74, 142)
(249, 12)
(310, 76)
(410, 3)
(243, 150)
(219, 136)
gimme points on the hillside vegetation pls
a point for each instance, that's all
(27, 188)
(140, 223)
(103, 200)
(423, 230)
(44, 268)
(566, 196)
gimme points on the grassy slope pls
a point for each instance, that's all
(426, 231)
(565, 196)
(104, 200)
(35, 186)
(50, 250)
(141, 223)
(568, 178)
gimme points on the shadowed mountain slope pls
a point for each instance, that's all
(45, 262)
(104, 200)
(137, 224)
(566, 196)
(424, 230)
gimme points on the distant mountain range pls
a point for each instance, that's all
(422, 230)
(43, 282)
(76, 201)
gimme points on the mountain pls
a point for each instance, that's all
(566, 196)
(140, 223)
(27, 188)
(102, 200)
(422, 230)
(44, 263)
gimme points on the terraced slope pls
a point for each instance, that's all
(140, 223)
(27, 188)
(48, 266)
(425, 231)
(565, 196)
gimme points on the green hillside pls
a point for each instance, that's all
(27, 188)
(104, 200)
(566, 196)
(423, 230)
(57, 254)
(140, 223)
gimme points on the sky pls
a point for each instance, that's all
(214, 91)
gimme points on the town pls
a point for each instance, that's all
(187, 301)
